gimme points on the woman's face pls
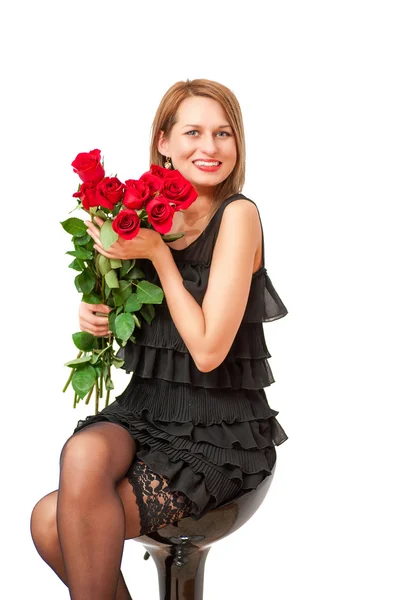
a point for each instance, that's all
(202, 131)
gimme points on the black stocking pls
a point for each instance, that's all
(91, 519)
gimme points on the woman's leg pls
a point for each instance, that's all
(90, 516)
(43, 527)
(147, 505)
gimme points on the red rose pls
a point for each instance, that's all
(154, 182)
(126, 224)
(87, 194)
(136, 193)
(109, 192)
(160, 214)
(158, 171)
(177, 190)
(88, 166)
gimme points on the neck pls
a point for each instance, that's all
(199, 209)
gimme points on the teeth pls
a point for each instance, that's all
(203, 163)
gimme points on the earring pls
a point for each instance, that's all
(167, 164)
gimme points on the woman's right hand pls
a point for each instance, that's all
(91, 322)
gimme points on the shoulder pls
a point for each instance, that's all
(241, 207)
(240, 217)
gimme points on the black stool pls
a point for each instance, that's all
(180, 550)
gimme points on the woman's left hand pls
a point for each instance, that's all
(145, 244)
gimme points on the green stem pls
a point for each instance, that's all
(96, 396)
(104, 350)
(102, 379)
(108, 368)
(89, 394)
(75, 400)
(71, 374)
(69, 379)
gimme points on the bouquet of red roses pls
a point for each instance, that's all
(148, 202)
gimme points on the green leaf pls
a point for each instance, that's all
(81, 253)
(133, 263)
(104, 264)
(81, 240)
(98, 212)
(111, 279)
(83, 379)
(117, 362)
(78, 361)
(126, 264)
(134, 273)
(120, 296)
(116, 263)
(149, 293)
(148, 312)
(110, 301)
(132, 304)
(86, 281)
(74, 226)
(109, 384)
(77, 264)
(90, 244)
(107, 235)
(124, 326)
(111, 319)
(125, 288)
(77, 284)
(84, 340)
(91, 298)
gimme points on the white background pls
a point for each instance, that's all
(317, 84)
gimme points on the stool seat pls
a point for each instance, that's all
(180, 549)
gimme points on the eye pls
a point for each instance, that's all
(195, 130)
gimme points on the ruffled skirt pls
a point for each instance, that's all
(212, 444)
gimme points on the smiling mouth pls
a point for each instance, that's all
(205, 163)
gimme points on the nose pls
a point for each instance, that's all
(208, 144)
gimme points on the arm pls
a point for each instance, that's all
(209, 331)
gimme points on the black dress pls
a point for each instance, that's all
(212, 435)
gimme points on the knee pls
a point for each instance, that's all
(43, 525)
(85, 459)
(84, 453)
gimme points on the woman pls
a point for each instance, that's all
(193, 429)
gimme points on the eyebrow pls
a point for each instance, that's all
(219, 127)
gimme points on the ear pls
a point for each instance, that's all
(163, 144)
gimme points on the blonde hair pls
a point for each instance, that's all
(165, 119)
